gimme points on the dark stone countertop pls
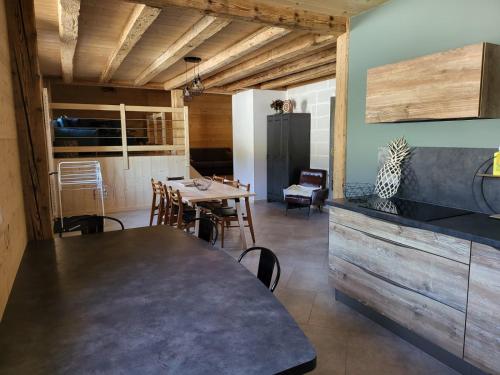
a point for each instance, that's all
(144, 301)
(468, 225)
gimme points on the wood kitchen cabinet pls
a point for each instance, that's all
(482, 334)
(460, 83)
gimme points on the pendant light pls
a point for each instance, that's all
(195, 86)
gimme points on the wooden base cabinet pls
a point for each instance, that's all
(409, 275)
(482, 334)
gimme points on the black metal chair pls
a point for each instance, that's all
(207, 229)
(93, 224)
(267, 261)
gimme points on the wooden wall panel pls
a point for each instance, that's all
(210, 121)
(13, 234)
(126, 189)
(27, 87)
(482, 334)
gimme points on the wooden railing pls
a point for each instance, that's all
(174, 138)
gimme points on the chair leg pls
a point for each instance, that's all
(161, 212)
(222, 223)
(249, 218)
(153, 209)
(309, 213)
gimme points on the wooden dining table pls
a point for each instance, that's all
(152, 300)
(216, 192)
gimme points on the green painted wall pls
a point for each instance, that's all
(404, 29)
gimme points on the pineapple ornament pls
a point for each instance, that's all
(389, 176)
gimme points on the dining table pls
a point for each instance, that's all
(193, 196)
(152, 300)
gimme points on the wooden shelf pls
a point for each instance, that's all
(487, 175)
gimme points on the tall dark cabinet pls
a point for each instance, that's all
(288, 151)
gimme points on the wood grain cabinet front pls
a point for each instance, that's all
(417, 278)
(482, 334)
(460, 83)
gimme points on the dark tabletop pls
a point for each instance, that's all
(144, 301)
(467, 225)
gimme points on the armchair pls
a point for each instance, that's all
(309, 178)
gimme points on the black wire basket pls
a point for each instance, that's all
(356, 190)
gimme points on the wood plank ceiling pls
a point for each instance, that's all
(243, 43)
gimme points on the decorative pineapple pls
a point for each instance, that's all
(389, 176)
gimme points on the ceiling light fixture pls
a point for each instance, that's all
(194, 87)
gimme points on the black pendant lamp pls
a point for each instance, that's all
(194, 87)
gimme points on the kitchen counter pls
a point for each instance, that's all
(466, 225)
(429, 273)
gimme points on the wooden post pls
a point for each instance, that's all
(163, 129)
(27, 88)
(340, 124)
(177, 101)
(123, 122)
(186, 142)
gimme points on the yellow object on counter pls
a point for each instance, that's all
(496, 163)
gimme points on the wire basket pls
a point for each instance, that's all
(354, 190)
(203, 183)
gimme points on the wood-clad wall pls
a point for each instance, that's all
(13, 233)
(210, 115)
(210, 121)
(29, 117)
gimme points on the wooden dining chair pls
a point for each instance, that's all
(163, 206)
(226, 215)
(267, 262)
(180, 214)
(219, 179)
(155, 204)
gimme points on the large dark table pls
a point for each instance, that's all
(144, 301)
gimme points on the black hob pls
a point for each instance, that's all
(410, 209)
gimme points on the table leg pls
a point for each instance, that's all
(239, 213)
(197, 222)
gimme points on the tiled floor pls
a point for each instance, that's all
(345, 341)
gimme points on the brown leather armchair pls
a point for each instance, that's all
(312, 178)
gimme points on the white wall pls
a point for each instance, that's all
(315, 99)
(250, 111)
(243, 145)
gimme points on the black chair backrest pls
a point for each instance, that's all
(267, 261)
(207, 229)
(95, 224)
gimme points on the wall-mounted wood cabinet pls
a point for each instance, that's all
(462, 83)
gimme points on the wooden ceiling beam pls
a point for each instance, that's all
(307, 75)
(68, 13)
(310, 81)
(296, 48)
(251, 43)
(196, 35)
(308, 62)
(141, 19)
(288, 16)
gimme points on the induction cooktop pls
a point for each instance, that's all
(410, 209)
